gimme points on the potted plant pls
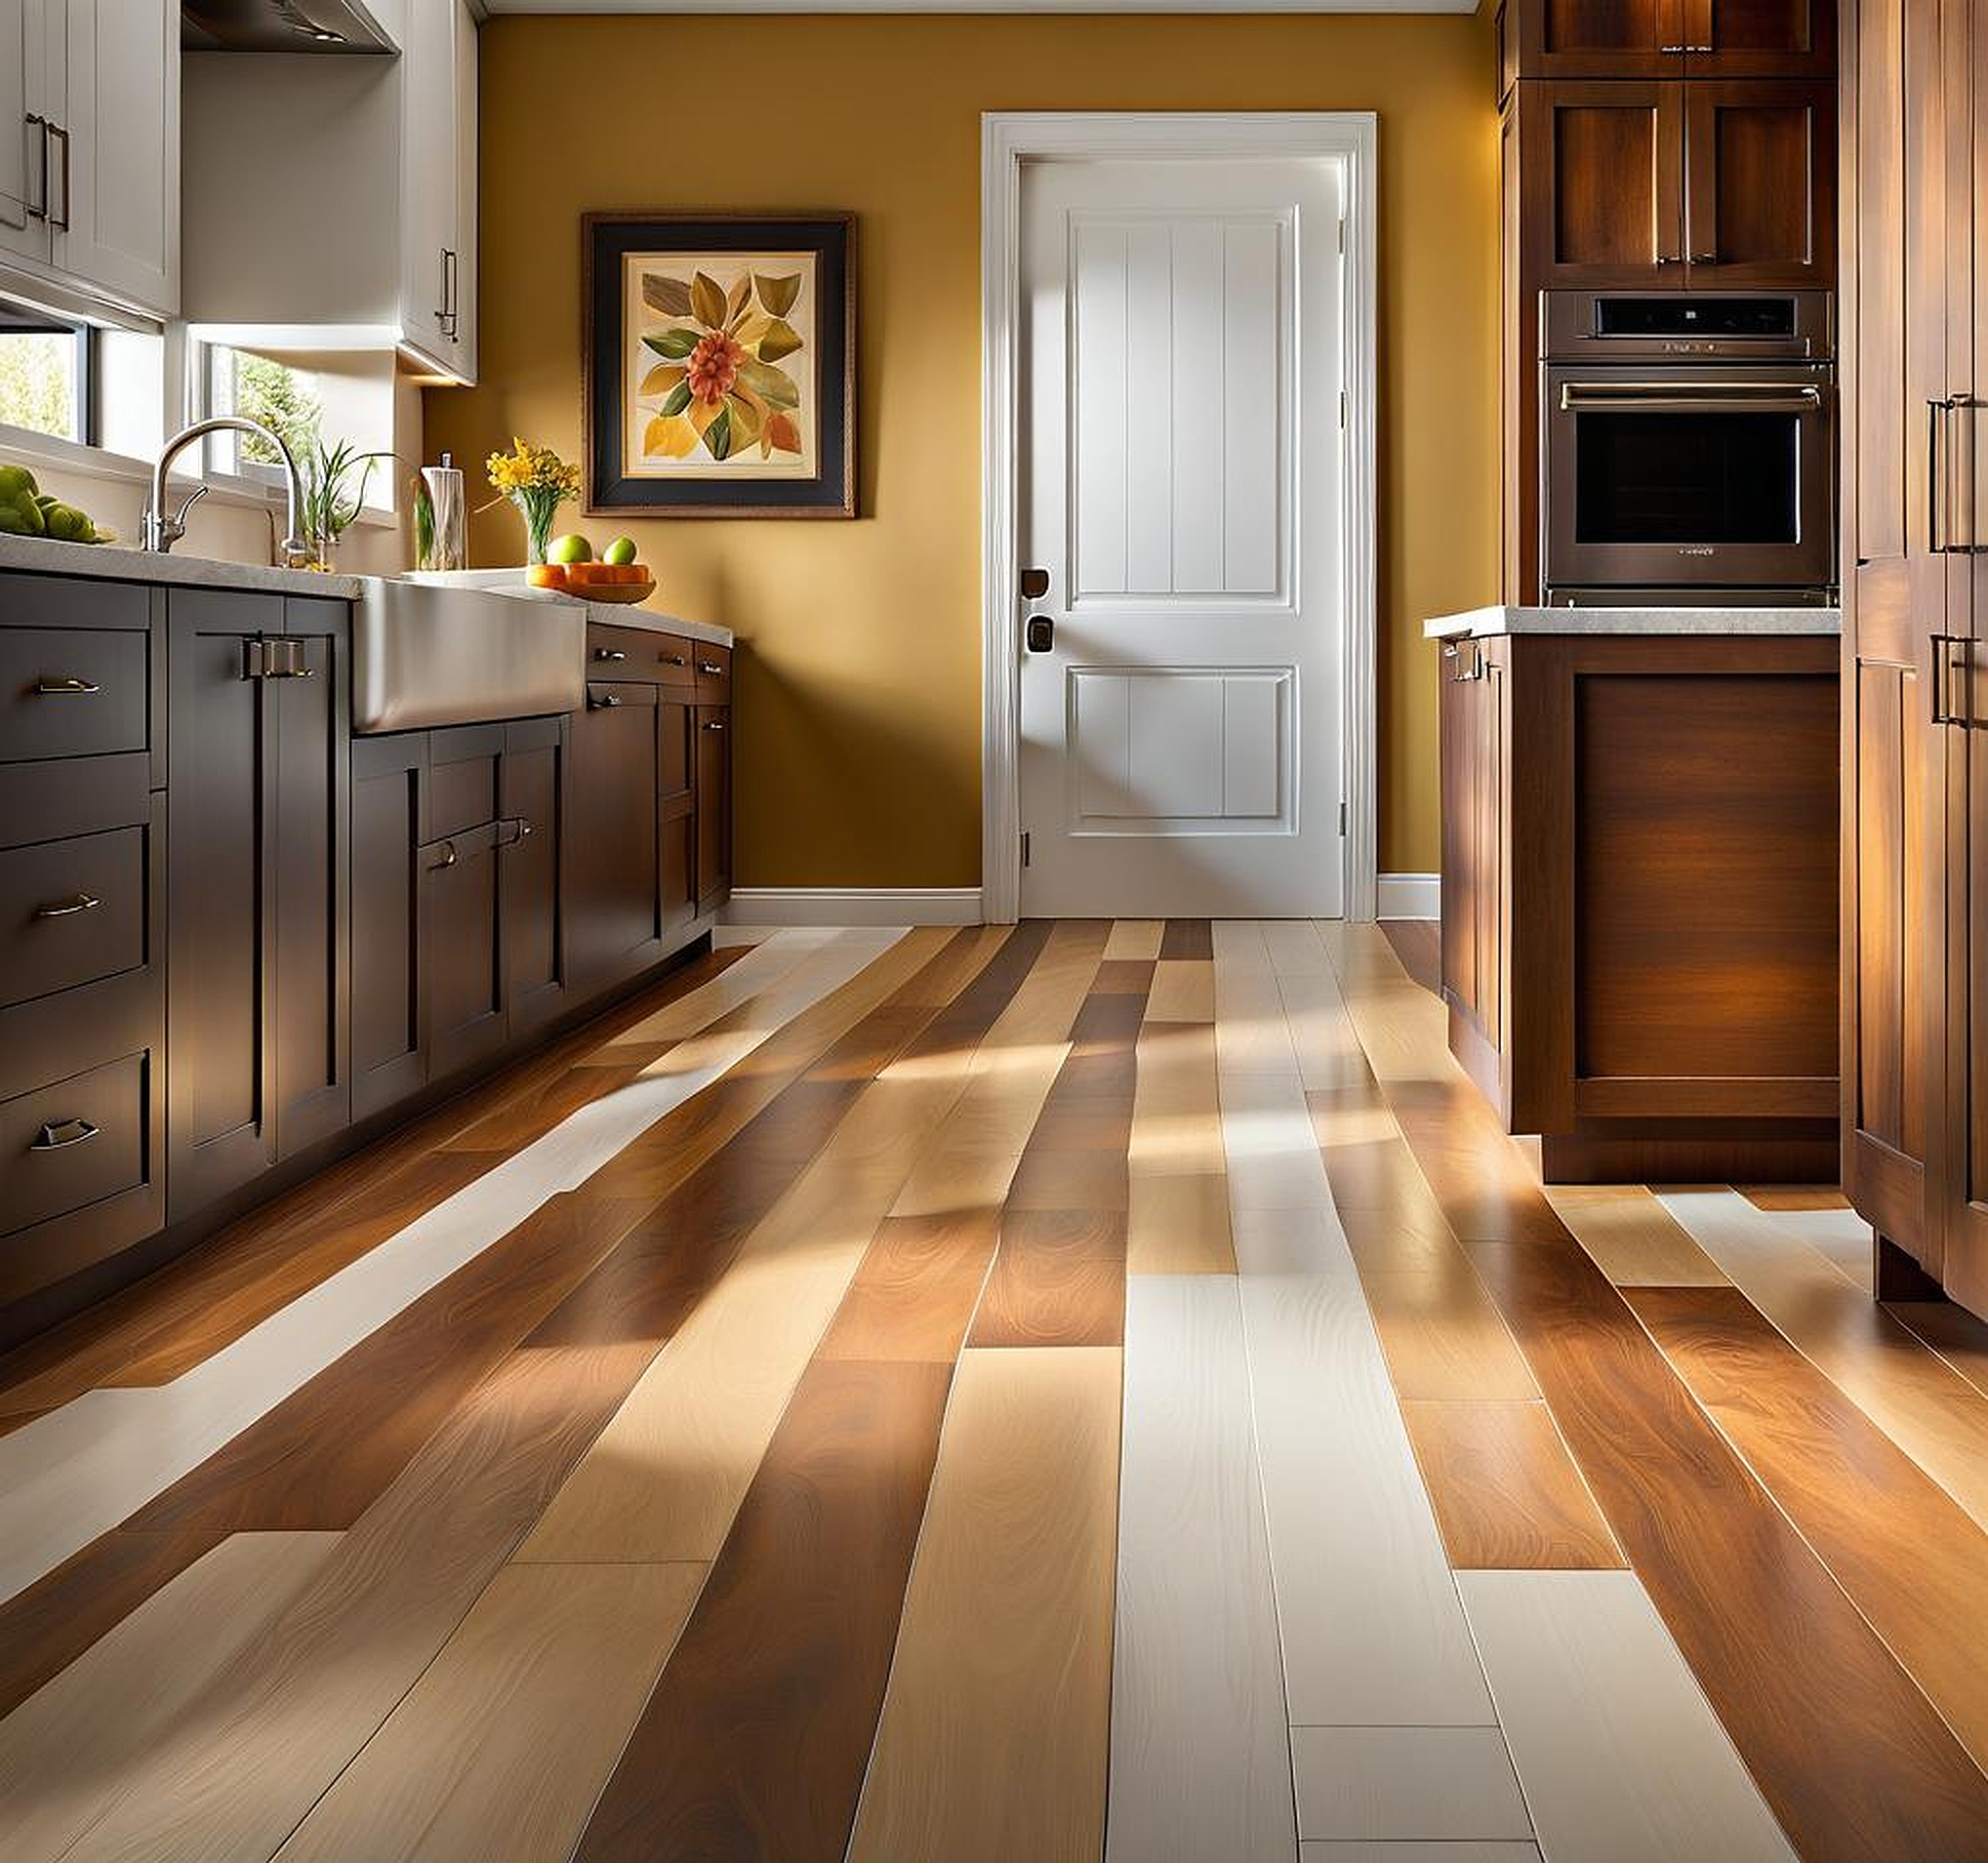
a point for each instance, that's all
(538, 482)
(334, 480)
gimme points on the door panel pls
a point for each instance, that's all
(713, 806)
(1761, 195)
(1600, 38)
(1607, 163)
(1760, 39)
(390, 1050)
(532, 833)
(615, 928)
(1179, 734)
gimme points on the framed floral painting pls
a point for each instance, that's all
(720, 365)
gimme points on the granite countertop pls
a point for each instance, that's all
(119, 564)
(1479, 623)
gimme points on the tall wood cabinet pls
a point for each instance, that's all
(1652, 146)
(1915, 1000)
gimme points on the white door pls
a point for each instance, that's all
(1181, 472)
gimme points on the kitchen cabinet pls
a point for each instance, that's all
(614, 867)
(458, 950)
(1669, 38)
(385, 151)
(258, 879)
(1915, 1104)
(713, 806)
(1678, 185)
(90, 153)
(1640, 898)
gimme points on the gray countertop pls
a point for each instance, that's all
(117, 563)
(511, 582)
(1482, 622)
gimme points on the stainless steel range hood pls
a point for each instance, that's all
(281, 25)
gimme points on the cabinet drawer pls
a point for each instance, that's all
(714, 672)
(71, 692)
(71, 911)
(71, 1144)
(638, 653)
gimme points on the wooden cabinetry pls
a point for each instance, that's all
(1668, 38)
(1639, 883)
(615, 872)
(1914, 1106)
(257, 875)
(89, 145)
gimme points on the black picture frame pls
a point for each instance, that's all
(606, 239)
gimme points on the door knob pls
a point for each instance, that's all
(1040, 634)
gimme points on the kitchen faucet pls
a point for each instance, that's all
(159, 532)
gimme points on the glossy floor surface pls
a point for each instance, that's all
(1072, 1391)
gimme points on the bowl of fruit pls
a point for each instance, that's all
(570, 568)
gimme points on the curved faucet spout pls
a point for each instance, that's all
(159, 530)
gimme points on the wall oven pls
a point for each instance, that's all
(1689, 446)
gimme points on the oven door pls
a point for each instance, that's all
(1661, 478)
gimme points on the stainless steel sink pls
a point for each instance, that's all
(426, 654)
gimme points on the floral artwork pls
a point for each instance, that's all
(719, 367)
(723, 364)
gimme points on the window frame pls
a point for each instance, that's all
(18, 318)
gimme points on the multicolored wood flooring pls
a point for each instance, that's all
(1072, 1390)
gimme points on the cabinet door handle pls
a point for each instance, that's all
(713, 724)
(1937, 434)
(673, 660)
(1951, 653)
(59, 1135)
(32, 123)
(50, 131)
(603, 701)
(711, 668)
(609, 653)
(51, 687)
(68, 907)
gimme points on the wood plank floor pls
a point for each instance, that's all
(1064, 1392)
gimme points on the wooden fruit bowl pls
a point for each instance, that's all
(615, 591)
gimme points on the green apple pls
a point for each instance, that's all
(620, 550)
(570, 549)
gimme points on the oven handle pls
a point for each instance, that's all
(1666, 398)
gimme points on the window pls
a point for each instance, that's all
(279, 394)
(45, 373)
(316, 399)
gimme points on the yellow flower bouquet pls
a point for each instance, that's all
(538, 482)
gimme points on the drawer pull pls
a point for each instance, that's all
(673, 660)
(58, 1138)
(713, 724)
(607, 701)
(609, 653)
(68, 907)
(50, 688)
(711, 668)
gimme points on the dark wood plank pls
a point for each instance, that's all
(1912, 1560)
(1132, 975)
(1058, 1278)
(1188, 938)
(44, 1629)
(756, 1737)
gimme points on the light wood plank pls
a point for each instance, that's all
(1183, 990)
(1914, 1395)
(1619, 1755)
(1633, 1239)
(1176, 1108)
(1437, 1784)
(1362, 1850)
(1200, 1754)
(499, 1750)
(1442, 1337)
(1838, 1234)
(62, 1749)
(1002, 1672)
(1506, 1492)
(1134, 939)
(1179, 1226)
(951, 1182)
(1952, 1332)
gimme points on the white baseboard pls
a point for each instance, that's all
(853, 905)
(1410, 896)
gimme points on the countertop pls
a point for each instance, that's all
(511, 582)
(1479, 623)
(119, 564)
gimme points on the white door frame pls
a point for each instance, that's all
(1009, 140)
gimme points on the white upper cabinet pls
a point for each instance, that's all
(90, 146)
(339, 192)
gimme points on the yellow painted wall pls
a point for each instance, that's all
(859, 738)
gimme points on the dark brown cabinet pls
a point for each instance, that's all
(713, 805)
(257, 883)
(1639, 900)
(459, 949)
(1915, 1106)
(614, 875)
(1677, 185)
(1668, 38)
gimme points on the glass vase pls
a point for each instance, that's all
(538, 509)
